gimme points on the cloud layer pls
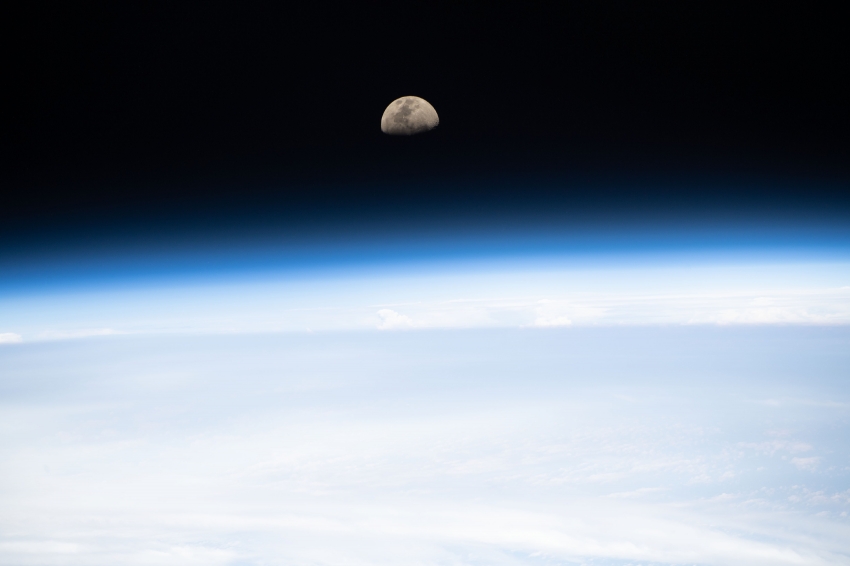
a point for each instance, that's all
(446, 296)
(577, 446)
(10, 338)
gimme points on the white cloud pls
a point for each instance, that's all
(450, 297)
(550, 313)
(807, 464)
(543, 321)
(77, 333)
(794, 306)
(436, 468)
(773, 446)
(391, 320)
(10, 338)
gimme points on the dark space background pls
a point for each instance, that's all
(151, 124)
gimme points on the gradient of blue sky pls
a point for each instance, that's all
(678, 406)
(532, 396)
(555, 290)
(599, 316)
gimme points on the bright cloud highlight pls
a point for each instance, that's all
(447, 297)
(10, 338)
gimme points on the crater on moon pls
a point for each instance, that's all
(409, 115)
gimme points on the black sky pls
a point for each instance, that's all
(165, 112)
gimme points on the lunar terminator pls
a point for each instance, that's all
(409, 115)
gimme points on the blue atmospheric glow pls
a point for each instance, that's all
(508, 293)
(583, 398)
(125, 258)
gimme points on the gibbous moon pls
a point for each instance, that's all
(409, 115)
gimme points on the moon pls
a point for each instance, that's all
(409, 115)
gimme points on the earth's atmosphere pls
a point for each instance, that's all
(648, 412)
(599, 316)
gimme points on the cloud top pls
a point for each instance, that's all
(391, 320)
(10, 338)
(451, 298)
